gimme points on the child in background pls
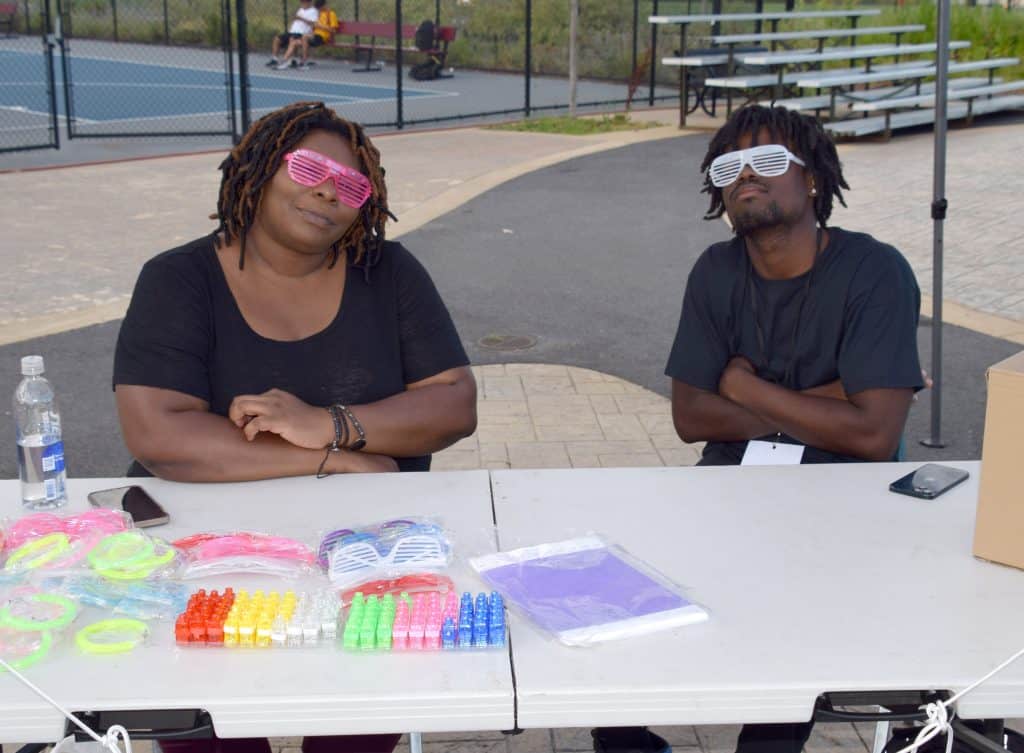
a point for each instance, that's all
(302, 23)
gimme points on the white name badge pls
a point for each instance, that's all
(772, 453)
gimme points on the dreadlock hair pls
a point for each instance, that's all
(258, 156)
(802, 134)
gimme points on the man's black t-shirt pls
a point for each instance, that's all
(858, 324)
(184, 332)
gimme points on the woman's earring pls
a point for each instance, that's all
(814, 191)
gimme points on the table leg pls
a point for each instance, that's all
(415, 742)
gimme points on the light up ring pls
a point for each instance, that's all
(32, 526)
(10, 617)
(121, 550)
(143, 568)
(111, 636)
(38, 552)
(22, 648)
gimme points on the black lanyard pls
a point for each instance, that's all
(755, 306)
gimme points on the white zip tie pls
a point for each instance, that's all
(108, 741)
(939, 716)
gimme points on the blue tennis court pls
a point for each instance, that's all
(107, 89)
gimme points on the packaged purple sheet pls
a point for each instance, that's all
(586, 590)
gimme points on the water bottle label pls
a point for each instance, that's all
(50, 489)
(53, 459)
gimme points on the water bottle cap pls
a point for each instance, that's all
(32, 365)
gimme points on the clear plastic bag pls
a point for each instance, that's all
(133, 555)
(585, 591)
(59, 544)
(91, 524)
(388, 549)
(142, 600)
(411, 584)
(208, 554)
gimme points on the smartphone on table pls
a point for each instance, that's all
(929, 481)
(135, 501)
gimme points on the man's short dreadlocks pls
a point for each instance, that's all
(803, 135)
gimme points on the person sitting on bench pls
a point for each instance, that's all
(323, 31)
(302, 23)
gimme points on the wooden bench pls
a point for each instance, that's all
(8, 12)
(360, 30)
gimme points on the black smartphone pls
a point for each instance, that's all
(135, 501)
(929, 481)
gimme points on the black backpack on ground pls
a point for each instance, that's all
(425, 40)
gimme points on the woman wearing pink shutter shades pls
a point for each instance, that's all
(293, 340)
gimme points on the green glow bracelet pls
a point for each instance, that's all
(56, 623)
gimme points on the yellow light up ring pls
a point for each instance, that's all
(38, 552)
(125, 549)
(139, 570)
(134, 629)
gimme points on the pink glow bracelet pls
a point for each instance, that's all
(38, 524)
(205, 546)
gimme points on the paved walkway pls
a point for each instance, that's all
(542, 416)
(74, 239)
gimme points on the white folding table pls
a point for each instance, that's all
(817, 579)
(282, 692)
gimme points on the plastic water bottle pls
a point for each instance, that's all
(40, 449)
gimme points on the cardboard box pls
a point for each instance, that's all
(999, 527)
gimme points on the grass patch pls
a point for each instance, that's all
(563, 124)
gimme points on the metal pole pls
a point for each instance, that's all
(64, 33)
(636, 26)
(654, 54)
(243, 65)
(284, 14)
(939, 205)
(167, 26)
(400, 122)
(528, 64)
(113, 11)
(49, 39)
(574, 10)
(229, 70)
(437, 16)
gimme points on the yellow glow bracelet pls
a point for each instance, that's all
(134, 629)
(139, 570)
(58, 543)
(121, 550)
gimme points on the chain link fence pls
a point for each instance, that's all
(28, 97)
